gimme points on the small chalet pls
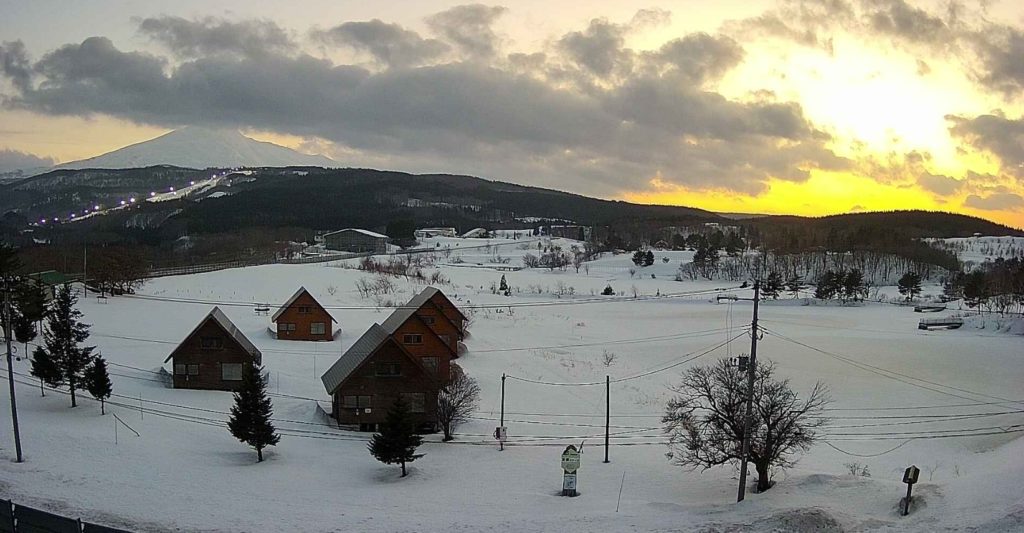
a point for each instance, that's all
(302, 318)
(212, 356)
(371, 375)
(436, 299)
(417, 334)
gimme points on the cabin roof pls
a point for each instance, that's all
(292, 301)
(229, 327)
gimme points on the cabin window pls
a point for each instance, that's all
(180, 370)
(211, 343)
(193, 370)
(231, 371)
(305, 309)
(412, 338)
(285, 327)
(356, 402)
(417, 401)
(430, 363)
(428, 320)
(389, 369)
(317, 328)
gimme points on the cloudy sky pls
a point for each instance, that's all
(771, 106)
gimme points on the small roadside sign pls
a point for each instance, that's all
(570, 459)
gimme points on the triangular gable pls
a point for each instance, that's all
(436, 292)
(360, 353)
(291, 301)
(402, 315)
(228, 327)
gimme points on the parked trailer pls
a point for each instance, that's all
(940, 323)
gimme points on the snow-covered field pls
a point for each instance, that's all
(976, 250)
(901, 396)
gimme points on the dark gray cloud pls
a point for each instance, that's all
(15, 64)
(599, 48)
(699, 57)
(469, 27)
(11, 160)
(509, 118)
(900, 19)
(1000, 201)
(1002, 136)
(939, 184)
(209, 36)
(1001, 52)
(389, 44)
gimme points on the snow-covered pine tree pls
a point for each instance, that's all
(97, 382)
(397, 441)
(250, 416)
(62, 360)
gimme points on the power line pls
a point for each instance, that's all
(636, 376)
(544, 303)
(897, 376)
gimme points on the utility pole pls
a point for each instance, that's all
(750, 395)
(501, 422)
(10, 367)
(607, 413)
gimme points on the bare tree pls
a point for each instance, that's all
(456, 401)
(705, 421)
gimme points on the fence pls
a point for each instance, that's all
(21, 519)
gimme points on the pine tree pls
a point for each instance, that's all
(649, 258)
(44, 368)
(827, 286)
(397, 441)
(62, 361)
(250, 416)
(503, 287)
(772, 286)
(97, 382)
(853, 285)
(639, 257)
(909, 285)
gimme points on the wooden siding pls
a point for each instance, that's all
(191, 352)
(430, 346)
(303, 321)
(448, 308)
(384, 390)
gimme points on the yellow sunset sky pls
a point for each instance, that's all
(780, 108)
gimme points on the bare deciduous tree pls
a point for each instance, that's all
(705, 421)
(456, 401)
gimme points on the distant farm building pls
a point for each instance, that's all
(409, 354)
(579, 233)
(302, 318)
(213, 355)
(426, 233)
(356, 240)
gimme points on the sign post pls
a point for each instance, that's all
(501, 435)
(909, 477)
(570, 464)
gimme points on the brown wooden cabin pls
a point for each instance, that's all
(438, 299)
(427, 335)
(212, 356)
(370, 376)
(302, 318)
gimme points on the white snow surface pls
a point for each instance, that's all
(186, 472)
(198, 147)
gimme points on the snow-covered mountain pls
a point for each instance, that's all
(196, 147)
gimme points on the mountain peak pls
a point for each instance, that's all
(202, 147)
